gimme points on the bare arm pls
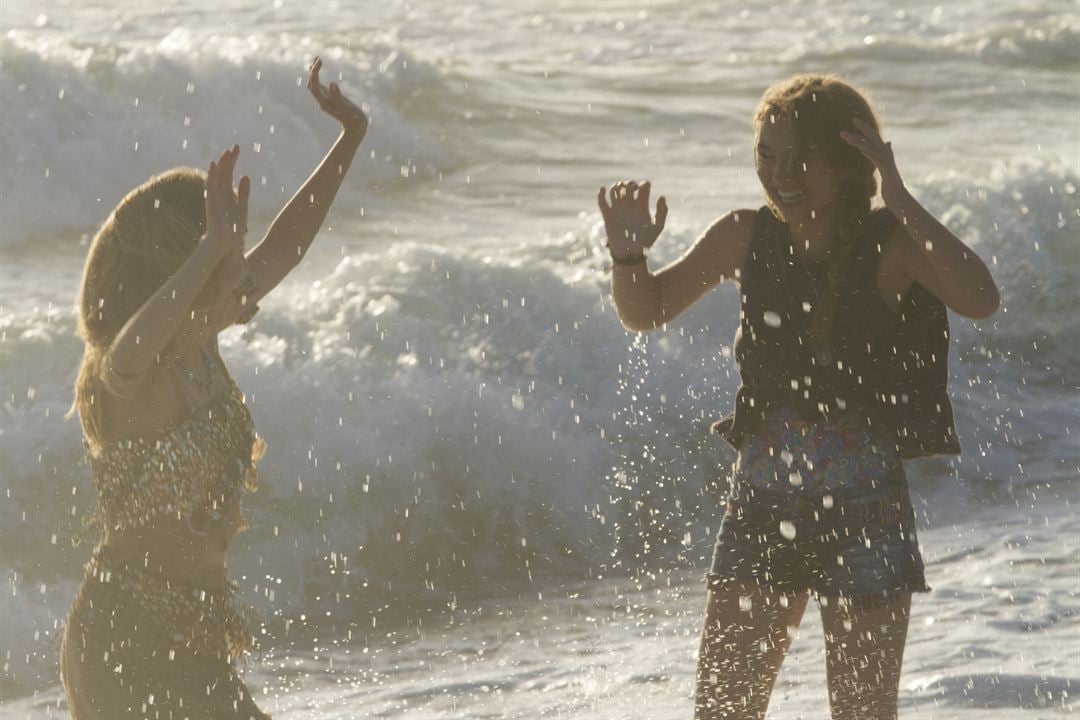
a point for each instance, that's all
(928, 253)
(154, 324)
(295, 227)
(645, 300)
(939, 261)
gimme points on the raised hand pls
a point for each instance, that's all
(630, 226)
(226, 206)
(869, 142)
(333, 103)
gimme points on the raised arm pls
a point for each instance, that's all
(925, 251)
(645, 300)
(295, 227)
(167, 311)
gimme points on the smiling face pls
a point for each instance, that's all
(797, 177)
(813, 179)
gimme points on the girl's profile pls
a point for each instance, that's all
(157, 625)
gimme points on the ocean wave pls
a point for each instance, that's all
(1040, 41)
(442, 418)
(82, 122)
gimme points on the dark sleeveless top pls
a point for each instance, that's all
(890, 367)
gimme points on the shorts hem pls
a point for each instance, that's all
(873, 598)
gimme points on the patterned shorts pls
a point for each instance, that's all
(819, 506)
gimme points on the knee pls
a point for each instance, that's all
(862, 693)
(862, 706)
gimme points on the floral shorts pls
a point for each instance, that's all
(819, 506)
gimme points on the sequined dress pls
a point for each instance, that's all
(138, 643)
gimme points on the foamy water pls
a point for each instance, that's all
(456, 420)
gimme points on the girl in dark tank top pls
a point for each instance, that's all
(842, 349)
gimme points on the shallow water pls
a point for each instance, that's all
(455, 417)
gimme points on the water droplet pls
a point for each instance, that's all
(787, 529)
(772, 319)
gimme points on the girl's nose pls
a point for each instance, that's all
(785, 169)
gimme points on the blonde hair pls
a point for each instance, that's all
(141, 244)
(819, 107)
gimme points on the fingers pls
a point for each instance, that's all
(219, 173)
(862, 144)
(222, 160)
(243, 193)
(601, 200)
(622, 191)
(864, 133)
(866, 128)
(227, 165)
(315, 87)
(226, 206)
(614, 193)
(661, 214)
(627, 190)
(856, 140)
(852, 138)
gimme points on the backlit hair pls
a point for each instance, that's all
(142, 243)
(819, 107)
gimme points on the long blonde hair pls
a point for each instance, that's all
(138, 248)
(820, 106)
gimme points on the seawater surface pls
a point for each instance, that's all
(483, 498)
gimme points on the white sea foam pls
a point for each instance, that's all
(451, 405)
(84, 122)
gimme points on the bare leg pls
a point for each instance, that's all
(864, 649)
(746, 635)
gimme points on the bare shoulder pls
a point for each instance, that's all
(728, 240)
(734, 225)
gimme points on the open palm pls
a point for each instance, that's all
(628, 220)
(334, 104)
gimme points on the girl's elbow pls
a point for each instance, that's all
(985, 306)
(637, 324)
(989, 309)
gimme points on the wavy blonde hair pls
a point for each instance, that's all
(819, 107)
(142, 243)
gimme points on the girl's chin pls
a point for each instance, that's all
(800, 203)
(800, 210)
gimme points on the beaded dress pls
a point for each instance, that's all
(141, 639)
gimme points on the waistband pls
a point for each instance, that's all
(886, 506)
(206, 619)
